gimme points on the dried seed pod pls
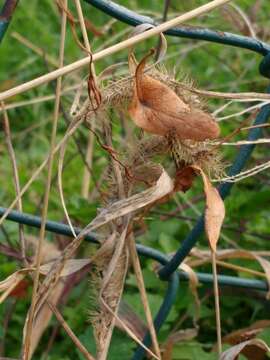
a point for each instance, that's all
(184, 179)
(158, 110)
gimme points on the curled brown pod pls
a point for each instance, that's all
(158, 110)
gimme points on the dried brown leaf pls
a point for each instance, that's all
(246, 333)
(184, 179)
(164, 186)
(71, 266)
(258, 347)
(11, 282)
(177, 337)
(215, 211)
(193, 285)
(43, 317)
(12, 279)
(49, 253)
(131, 320)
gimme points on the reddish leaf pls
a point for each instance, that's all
(20, 291)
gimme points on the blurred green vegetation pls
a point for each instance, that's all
(211, 66)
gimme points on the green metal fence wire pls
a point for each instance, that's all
(6, 15)
(63, 229)
(169, 267)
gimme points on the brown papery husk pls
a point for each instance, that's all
(203, 153)
(158, 110)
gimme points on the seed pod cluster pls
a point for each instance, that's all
(158, 110)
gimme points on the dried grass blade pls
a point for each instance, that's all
(90, 143)
(15, 177)
(70, 333)
(31, 313)
(140, 281)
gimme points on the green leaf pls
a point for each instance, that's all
(191, 351)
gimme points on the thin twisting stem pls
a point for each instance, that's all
(90, 144)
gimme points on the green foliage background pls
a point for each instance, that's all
(213, 67)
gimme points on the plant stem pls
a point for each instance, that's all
(31, 314)
(217, 308)
(113, 49)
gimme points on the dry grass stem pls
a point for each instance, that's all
(112, 284)
(69, 332)
(227, 265)
(244, 174)
(247, 142)
(242, 112)
(40, 99)
(241, 269)
(90, 143)
(15, 177)
(140, 281)
(31, 314)
(60, 185)
(217, 306)
(115, 48)
(246, 96)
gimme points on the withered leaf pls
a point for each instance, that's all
(20, 290)
(158, 110)
(184, 179)
(193, 287)
(214, 213)
(258, 346)
(11, 282)
(43, 317)
(247, 333)
(175, 338)
(163, 186)
(71, 266)
(13, 279)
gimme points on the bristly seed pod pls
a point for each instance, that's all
(158, 110)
